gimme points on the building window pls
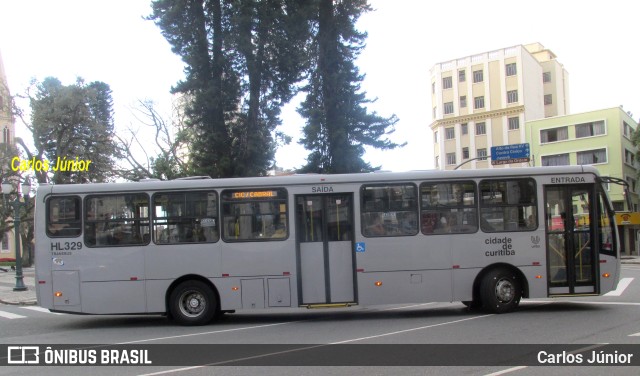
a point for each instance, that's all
(514, 123)
(546, 77)
(449, 133)
(478, 102)
(389, 210)
(437, 161)
(435, 137)
(462, 75)
(555, 160)
(447, 82)
(451, 158)
(548, 99)
(434, 112)
(481, 128)
(463, 101)
(511, 69)
(628, 131)
(618, 206)
(448, 108)
(629, 157)
(482, 154)
(592, 156)
(594, 128)
(465, 153)
(464, 128)
(512, 96)
(632, 184)
(478, 76)
(5, 241)
(433, 87)
(554, 135)
(6, 135)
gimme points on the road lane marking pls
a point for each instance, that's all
(410, 330)
(205, 333)
(518, 368)
(622, 285)
(313, 346)
(585, 302)
(508, 370)
(10, 316)
(40, 309)
(634, 335)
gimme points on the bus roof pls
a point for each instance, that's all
(309, 179)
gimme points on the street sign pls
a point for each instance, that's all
(510, 154)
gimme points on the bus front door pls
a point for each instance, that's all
(571, 259)
(325, 249)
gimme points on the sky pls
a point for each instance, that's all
(597, 43)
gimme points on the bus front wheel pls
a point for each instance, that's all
(193, 303)
(500, 291)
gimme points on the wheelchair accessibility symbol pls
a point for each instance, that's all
(361, 247)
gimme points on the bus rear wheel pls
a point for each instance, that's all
(500, 291)
(193, 303)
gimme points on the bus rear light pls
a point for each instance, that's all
(225, 274)
(57, 294)
(378, 283)
(286, 273)
(536, 263)
(603, 261)
(538, 277)
(42, 282)
(235, 288)
(606, 275)
(133, 278)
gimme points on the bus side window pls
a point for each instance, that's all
(185, 217)
(63, 216)
(448, 207)
(116, 219)
(389, 210)
(508, 205)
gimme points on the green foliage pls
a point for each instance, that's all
(243, 59)
(338, 124)
(74, 121)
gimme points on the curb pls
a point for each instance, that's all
(28, 302)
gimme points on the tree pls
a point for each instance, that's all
(171, 138)
(338, 124)
(243, 58)
(71, 123)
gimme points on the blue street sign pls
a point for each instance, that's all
(510, 154)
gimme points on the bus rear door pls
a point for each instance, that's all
(325, 249)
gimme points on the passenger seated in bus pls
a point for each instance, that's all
(376, 228)
(280, 232)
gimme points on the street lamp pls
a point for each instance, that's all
(7, 188)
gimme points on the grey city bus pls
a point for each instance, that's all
(193, 249)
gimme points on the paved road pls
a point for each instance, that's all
(610, 319)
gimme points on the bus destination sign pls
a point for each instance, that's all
(506, 154)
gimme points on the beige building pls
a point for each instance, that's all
(7, 133)
(484, 100)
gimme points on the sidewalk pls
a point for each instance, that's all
(8, 282)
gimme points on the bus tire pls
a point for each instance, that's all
(500, 291)
(193, 303)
